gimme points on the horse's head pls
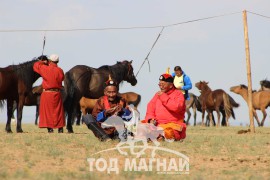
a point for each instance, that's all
(265, 83)
(202, 85)
(238, 89)
(129, 77)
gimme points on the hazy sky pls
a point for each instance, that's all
(212, 50)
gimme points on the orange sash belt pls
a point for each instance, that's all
(174, 126)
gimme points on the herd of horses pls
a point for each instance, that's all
(83, 85)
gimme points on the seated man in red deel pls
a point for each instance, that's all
(167, 109)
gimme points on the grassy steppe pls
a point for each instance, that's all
(214, 153)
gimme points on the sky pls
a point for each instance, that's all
(211, 50)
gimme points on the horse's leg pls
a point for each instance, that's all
(19, 114)
(189, 114)
(79, 115)
(218, 116)
(210, 114)
(13, 109)
(264, 116)
(37, 114)
(203, 111)
(9, 115)
(194, 113)
(223, 121)
(256, 117)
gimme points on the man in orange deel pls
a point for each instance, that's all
(167, 109)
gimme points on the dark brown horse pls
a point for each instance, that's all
(89, 82)
(32, 99)
(15, 84)
(214, 101)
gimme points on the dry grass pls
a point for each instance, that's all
(219, 153)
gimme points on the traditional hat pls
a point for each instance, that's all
(166, 77)
(110, 82)
(54, 58)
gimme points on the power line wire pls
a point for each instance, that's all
(116, 28)
(259, 14)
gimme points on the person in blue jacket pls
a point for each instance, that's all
(182, 81)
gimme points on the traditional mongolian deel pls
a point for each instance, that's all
(51, 104)
(168, 110)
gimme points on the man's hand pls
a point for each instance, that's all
(113, 110)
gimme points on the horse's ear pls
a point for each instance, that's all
(118, 62)
(130, 62)
(207, 82)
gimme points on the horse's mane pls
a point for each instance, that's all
(245, 87)
(25, 72)
(118, 70)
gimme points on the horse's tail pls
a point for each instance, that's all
(232, 102)
(69, 86)
(227, 105)
(197, 103)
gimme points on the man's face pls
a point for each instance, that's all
(111, 92)
(165, 86)
(178, 73)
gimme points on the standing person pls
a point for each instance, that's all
(167, 109)
(181, 81)
(106, 106)
(51, 105)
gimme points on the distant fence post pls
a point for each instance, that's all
(252, 127)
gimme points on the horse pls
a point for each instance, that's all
(260, 100)
(32, 99)
(214, 101)
(82, 80)
(87, 104)
(265, 85)
(193, 103)
(15, 84)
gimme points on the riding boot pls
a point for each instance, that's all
(93, 126)
(60, 130)
(50, 130)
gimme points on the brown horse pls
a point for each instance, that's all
(86, 81)
(214, 101)
(87, 105)
(260, 100)
(15, 84)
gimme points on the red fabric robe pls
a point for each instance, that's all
(168, 108)
(51, 110)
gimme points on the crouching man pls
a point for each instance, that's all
(108, 105)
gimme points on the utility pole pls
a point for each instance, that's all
(250, 107)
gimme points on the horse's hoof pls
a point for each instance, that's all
(9, 131)
(19, 131)
(70, 131)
